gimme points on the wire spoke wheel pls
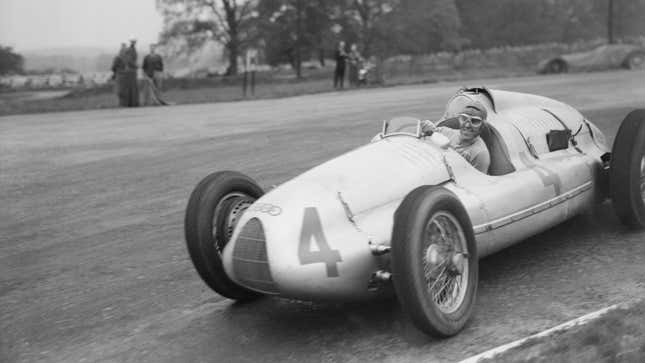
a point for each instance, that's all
(445, 263)
(434, 260)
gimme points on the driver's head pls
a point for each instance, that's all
(472, 120)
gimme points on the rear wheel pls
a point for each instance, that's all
(635, 61)
(212, 213)
(627, 170)
(434, 261)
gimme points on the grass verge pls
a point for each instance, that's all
(99, 99)
(617, 336)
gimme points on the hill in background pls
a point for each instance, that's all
(93, 59)
(79, 59)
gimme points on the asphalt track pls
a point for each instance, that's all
(93, 265)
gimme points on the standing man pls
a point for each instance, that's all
(118, 75)
(153, 72)
(341, 57)
(132, 89)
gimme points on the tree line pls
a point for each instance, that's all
(10, 61)
(292, 31)
(295, 30)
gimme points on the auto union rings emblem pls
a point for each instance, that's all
(270, 209)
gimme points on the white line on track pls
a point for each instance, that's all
(568, 325)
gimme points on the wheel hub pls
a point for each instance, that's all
(237, 209)
(637, 62)
(226, 216)
(454, 260)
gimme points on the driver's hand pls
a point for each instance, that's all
(428, 127)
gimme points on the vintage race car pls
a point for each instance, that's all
(606, 56)
(407, 211)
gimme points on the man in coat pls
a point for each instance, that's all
(153, 74)
(118, 75)
(132, 89)
(341, 57)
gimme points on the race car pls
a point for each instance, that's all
(405, 213)
(606, 56)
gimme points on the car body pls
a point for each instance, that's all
(407, 211)
(606, 56)
(348, 203)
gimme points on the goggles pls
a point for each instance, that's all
(474, 120)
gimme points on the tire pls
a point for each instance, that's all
(557, 66)
(215, 206)
(627, 170)
(415, 270)
(635, 61)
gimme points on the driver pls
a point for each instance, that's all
(466, 141)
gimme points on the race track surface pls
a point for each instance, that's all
(93, 265)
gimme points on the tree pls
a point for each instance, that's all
(628, 18)
(294, 30)
(368, 16)
(229, 22)
(490, 23)
(10, 62)
(423, 26)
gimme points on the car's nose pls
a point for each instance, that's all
(300, 245)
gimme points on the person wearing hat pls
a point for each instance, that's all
(118, 75)
(466, 141)
(132, 88)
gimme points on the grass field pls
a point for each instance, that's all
(104, 98)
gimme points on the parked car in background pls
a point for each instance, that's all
(606, 56)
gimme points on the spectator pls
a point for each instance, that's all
(355, 60)
(132, 89)
(118, 75)
(341, 58)
(153, 74)
(467, 140)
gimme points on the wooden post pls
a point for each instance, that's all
(244, 82)
(610, 22)
(253, 82)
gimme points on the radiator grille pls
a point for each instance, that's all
(250, 263)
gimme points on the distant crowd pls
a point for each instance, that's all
(124, 74)
(352, 61)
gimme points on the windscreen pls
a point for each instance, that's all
(402, 125)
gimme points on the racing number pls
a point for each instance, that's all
(312, 228)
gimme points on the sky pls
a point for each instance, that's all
(37, 24)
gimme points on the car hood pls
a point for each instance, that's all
(379, 172)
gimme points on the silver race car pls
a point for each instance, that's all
(407, 211)
(606, 56)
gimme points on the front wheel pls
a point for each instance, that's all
(434, 261)
(627, 170)
(212, 213)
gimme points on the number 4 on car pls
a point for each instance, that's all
(409, 212)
